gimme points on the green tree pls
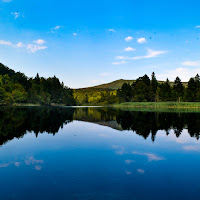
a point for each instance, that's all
(125, 93)
(153, 88)
(178, 89)
(191, 90)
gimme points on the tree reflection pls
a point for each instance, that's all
(15, 122)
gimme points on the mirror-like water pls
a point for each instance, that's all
(98, 153)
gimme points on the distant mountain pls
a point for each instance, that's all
(116, 85)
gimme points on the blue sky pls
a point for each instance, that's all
(86, 43)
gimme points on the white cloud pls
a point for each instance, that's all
(197, 26)
(129, 38)
(119, 63)
(39, 41)
(129, 49)
(121, 57)
(16, 14)
(20, 45)
(141, 40)
(55, 28)
(111, 30)
(183, 73)
(30, 47)
(33, 48)
(150, 54)
(192, 63)
(75, 34)
(6, 43)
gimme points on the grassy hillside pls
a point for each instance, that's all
(92, 95)
(114, 85)
(117, 84)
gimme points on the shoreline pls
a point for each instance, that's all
(167, 105)
(170, 105)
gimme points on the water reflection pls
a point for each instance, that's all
(99, 159)
(15, 122)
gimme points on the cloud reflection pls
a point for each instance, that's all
(128, 172)
(4, 165)
(141, 171)
(150, 156)
(32, 161)
(29, 161)
(191, 148)
(129, 161)
(38, 167)
(120, 150)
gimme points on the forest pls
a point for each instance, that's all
(16, 88)
(145, 89)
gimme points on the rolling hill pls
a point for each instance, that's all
(114, 85)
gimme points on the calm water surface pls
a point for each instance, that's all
(98, 153)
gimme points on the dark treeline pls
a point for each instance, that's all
(143, 123)
(15, 87)
(148, 123)
(15, 122)
(145, 89)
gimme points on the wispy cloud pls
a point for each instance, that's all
(33, 47)
(192, 63)
(111, 30)
(119, 63)
(150, 54)
(141, 40)
(54, 29)
(75, 34)
(40, 41)
(6, 43)
(120, 57)
(197, 26)
(20, 45)
(129, 49)
(30, 47)
(16, 14)
(129, 38)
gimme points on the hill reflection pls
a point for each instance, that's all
(15, 122)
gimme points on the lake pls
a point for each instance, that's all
(98, 153)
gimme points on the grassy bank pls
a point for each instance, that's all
(159, 104)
